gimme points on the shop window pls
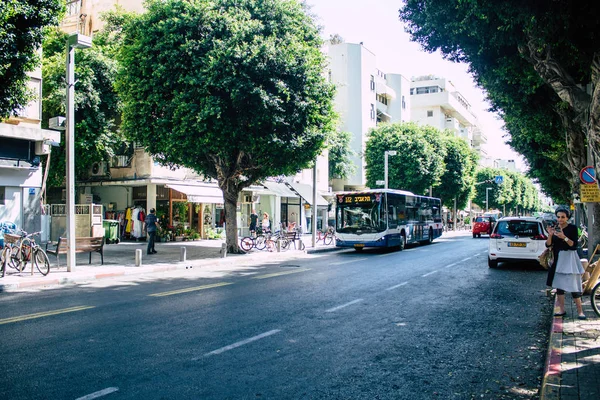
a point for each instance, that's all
(2, 195)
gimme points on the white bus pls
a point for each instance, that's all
(386, 218)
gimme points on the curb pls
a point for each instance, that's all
(552, 371)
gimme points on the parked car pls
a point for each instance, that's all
(483, 224)
(517, 239)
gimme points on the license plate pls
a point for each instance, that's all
(359, 245)
(517, 244)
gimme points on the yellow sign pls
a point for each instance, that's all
(590, 193)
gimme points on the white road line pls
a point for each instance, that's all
(451, 265)
(348, 262)
(344, 305)
(99, 393)
(429, 273)
(466, 259)
(241, 343)
(397, 286)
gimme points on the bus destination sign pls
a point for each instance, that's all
(359, 198)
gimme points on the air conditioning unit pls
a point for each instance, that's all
(120, 161)
(98, 169)
(41, 148)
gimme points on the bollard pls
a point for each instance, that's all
(223, 250)
(182, 253)
(138, 257)
(300, 244)
(279, 245)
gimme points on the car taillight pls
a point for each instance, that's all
(495, 236)
(540, 237)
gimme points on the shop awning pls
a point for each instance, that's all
(200, 194)
(306, 192)
(280, 189)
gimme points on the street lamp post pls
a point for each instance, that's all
(74, 41)
(487, 203)
(387, 153)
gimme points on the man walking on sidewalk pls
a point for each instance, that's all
(151, 226)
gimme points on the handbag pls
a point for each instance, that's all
(546, 258)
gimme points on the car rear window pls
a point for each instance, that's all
(518, 228)
(480, 219)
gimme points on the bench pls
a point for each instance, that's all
(82, 245)
(292, 236)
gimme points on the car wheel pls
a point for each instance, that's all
(479, 235)
(474, 235)
(492, 263)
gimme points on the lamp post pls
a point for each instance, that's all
(74, 41)
(487, 203)
(387, 154)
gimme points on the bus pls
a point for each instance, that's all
(386, 218)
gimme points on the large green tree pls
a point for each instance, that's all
(340, 154)
(233, 89)
(22, 24)
(458, 179)
(97, 107)
(535, 60)
(419, 162)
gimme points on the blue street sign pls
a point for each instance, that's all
(499, 180)
(588, 175)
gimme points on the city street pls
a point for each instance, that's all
(429, 322)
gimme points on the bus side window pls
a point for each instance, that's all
(392, 217)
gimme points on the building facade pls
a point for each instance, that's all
(365, 97)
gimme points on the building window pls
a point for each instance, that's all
(403, 103)
(372, 83)
(412, 91)
(73, 7)
(373, 112)
(430, 113)
(2, 194)
(329, 77)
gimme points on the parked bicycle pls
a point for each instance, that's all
(327, 236)
(25, 249)
(247, 243)
(583, 237)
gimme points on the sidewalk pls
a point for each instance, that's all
(573, 361)
(119, 260)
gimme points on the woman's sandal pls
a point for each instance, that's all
(560, 314)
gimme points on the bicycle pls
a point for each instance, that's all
(583, 237)
(21, 253)
(247, 243)
(327, 236)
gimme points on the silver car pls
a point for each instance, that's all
(517, 239)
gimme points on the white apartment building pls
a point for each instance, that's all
(436, 102)
(366, 96)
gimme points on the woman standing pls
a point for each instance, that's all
(565, 272)
(266, 224)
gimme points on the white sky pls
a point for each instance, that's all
(376, 24)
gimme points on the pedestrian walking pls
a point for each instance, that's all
(266, 223)
(151, 227)
(565, 272)
(253, 222)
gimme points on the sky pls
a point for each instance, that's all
(376, 24)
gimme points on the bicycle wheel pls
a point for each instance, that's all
(41, 261)
(328, 239)
(247, 243)
(260, 242)
(16, 259)
(595, 297)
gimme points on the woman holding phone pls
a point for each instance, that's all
(565, 272)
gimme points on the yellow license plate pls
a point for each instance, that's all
(359, 245)
(517, 244)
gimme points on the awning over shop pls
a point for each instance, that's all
(306, 192)
(280, 189)
(200, 194)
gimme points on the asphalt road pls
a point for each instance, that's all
(430, 322)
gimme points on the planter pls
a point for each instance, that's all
(179, 238)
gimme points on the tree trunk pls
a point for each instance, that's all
(230, 195)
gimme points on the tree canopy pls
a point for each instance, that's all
(233, 89)
(516, 194)
(535, 60)
(340, 153)
(419, 162)
(22, 24)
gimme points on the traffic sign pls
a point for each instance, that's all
(588, 175)
(499, 180)
(589, 193)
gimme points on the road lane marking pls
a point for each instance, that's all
(451, 265)
(465, 259)
(43, 314)
(344, 305)
(241, 343)
(99, 393)
(429, 273)
(293, 271)
(190, 289)
(397, 286)
(348, 262)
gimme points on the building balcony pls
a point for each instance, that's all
(448, 102)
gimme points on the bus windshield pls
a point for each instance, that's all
(360, 218)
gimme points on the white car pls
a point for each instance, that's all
(517, 239)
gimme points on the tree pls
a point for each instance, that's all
(419, 162)
(458, 178)
(22, 24)
(340, 153)
(233, 89)
(97, 107)
(535, 60)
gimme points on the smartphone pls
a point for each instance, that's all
(557, 229)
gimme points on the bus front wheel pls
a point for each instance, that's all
(402, 242)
